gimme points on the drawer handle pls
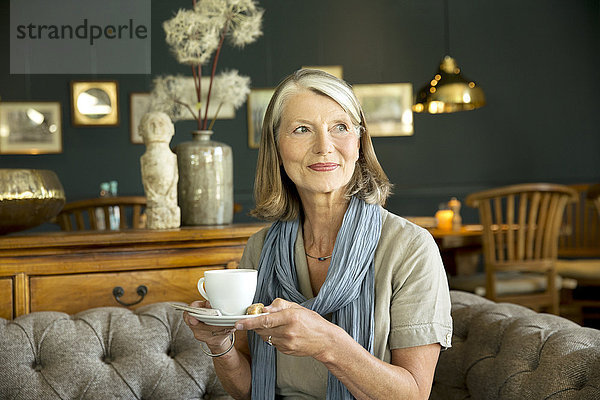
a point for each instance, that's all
(118, 291)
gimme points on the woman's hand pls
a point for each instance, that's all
(293, 329)
(233, 368)
(216, 337)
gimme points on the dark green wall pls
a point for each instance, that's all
(537, 61)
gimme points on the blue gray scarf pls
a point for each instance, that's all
(347, 293)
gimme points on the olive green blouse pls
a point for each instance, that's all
(412, 301)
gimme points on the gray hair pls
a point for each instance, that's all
(319, 82)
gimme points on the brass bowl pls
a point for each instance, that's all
(28, 198)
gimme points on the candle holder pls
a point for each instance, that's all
(444, 219)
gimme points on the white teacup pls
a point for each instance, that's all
(230, 291)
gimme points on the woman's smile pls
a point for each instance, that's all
(323, 167)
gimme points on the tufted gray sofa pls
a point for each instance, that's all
(500, 351)
(505, 351)
(104, 353)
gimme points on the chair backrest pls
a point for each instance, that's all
(580, 231)
(594, 196)
(520, 233)
(95, 214)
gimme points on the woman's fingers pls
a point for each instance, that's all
(189, 320)
(268, 321)
(204, 332)
(211, 335)
(280, 304)
(293, 329)
(272, 319)
(201, 304)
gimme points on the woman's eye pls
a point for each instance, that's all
(301, 129)
(341, 128)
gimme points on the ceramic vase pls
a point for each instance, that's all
(205, 187)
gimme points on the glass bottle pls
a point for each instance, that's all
(114, 212)
(454, 205)
(104, 192)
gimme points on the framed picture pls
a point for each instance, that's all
(335, 70)
(30, 128)
(387, 108)
(258, 101)
(94, 103)
(139, 104)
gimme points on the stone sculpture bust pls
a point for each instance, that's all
(159, 172)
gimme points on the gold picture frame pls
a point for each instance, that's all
(139, 104)
(387, 108)
(258, 101)
(30, 127)
(94, 103)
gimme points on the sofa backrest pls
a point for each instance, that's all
(104, 353)
(506, 351)
(499, 351)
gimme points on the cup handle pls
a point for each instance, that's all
(201, 288)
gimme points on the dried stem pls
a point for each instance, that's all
(198, 85)
(190, 110)
(214, 68)
(215, 117)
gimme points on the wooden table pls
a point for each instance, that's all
(73, 271)
(459, 249)
(466, 232)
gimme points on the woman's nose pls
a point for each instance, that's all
(322, 143)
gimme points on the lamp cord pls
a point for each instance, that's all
(446, 28)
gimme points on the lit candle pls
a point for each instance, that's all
(444, 219)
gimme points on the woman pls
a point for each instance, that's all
(358, 301)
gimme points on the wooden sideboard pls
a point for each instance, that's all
(74, 271)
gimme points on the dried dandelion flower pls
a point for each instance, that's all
(194, 36)
(175, 96)
(241, 19)
(246, 29)
(192, 40)
(231, 88)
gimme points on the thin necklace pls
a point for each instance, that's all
(318, 258)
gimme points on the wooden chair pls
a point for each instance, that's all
(83, 213)
(580, 231)
(593, 195)
(579, 255)
(520, 238)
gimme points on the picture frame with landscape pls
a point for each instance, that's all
(139, 104)
(387, 108)
(258, 101)
(30, 127)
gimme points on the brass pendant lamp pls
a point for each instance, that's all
(448, 91)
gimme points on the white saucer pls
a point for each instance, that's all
(222, 320)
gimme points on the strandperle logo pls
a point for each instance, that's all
(84, 31)
(80, 37)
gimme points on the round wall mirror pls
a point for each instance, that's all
(94, 103)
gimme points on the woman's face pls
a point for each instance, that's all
(317, 143)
